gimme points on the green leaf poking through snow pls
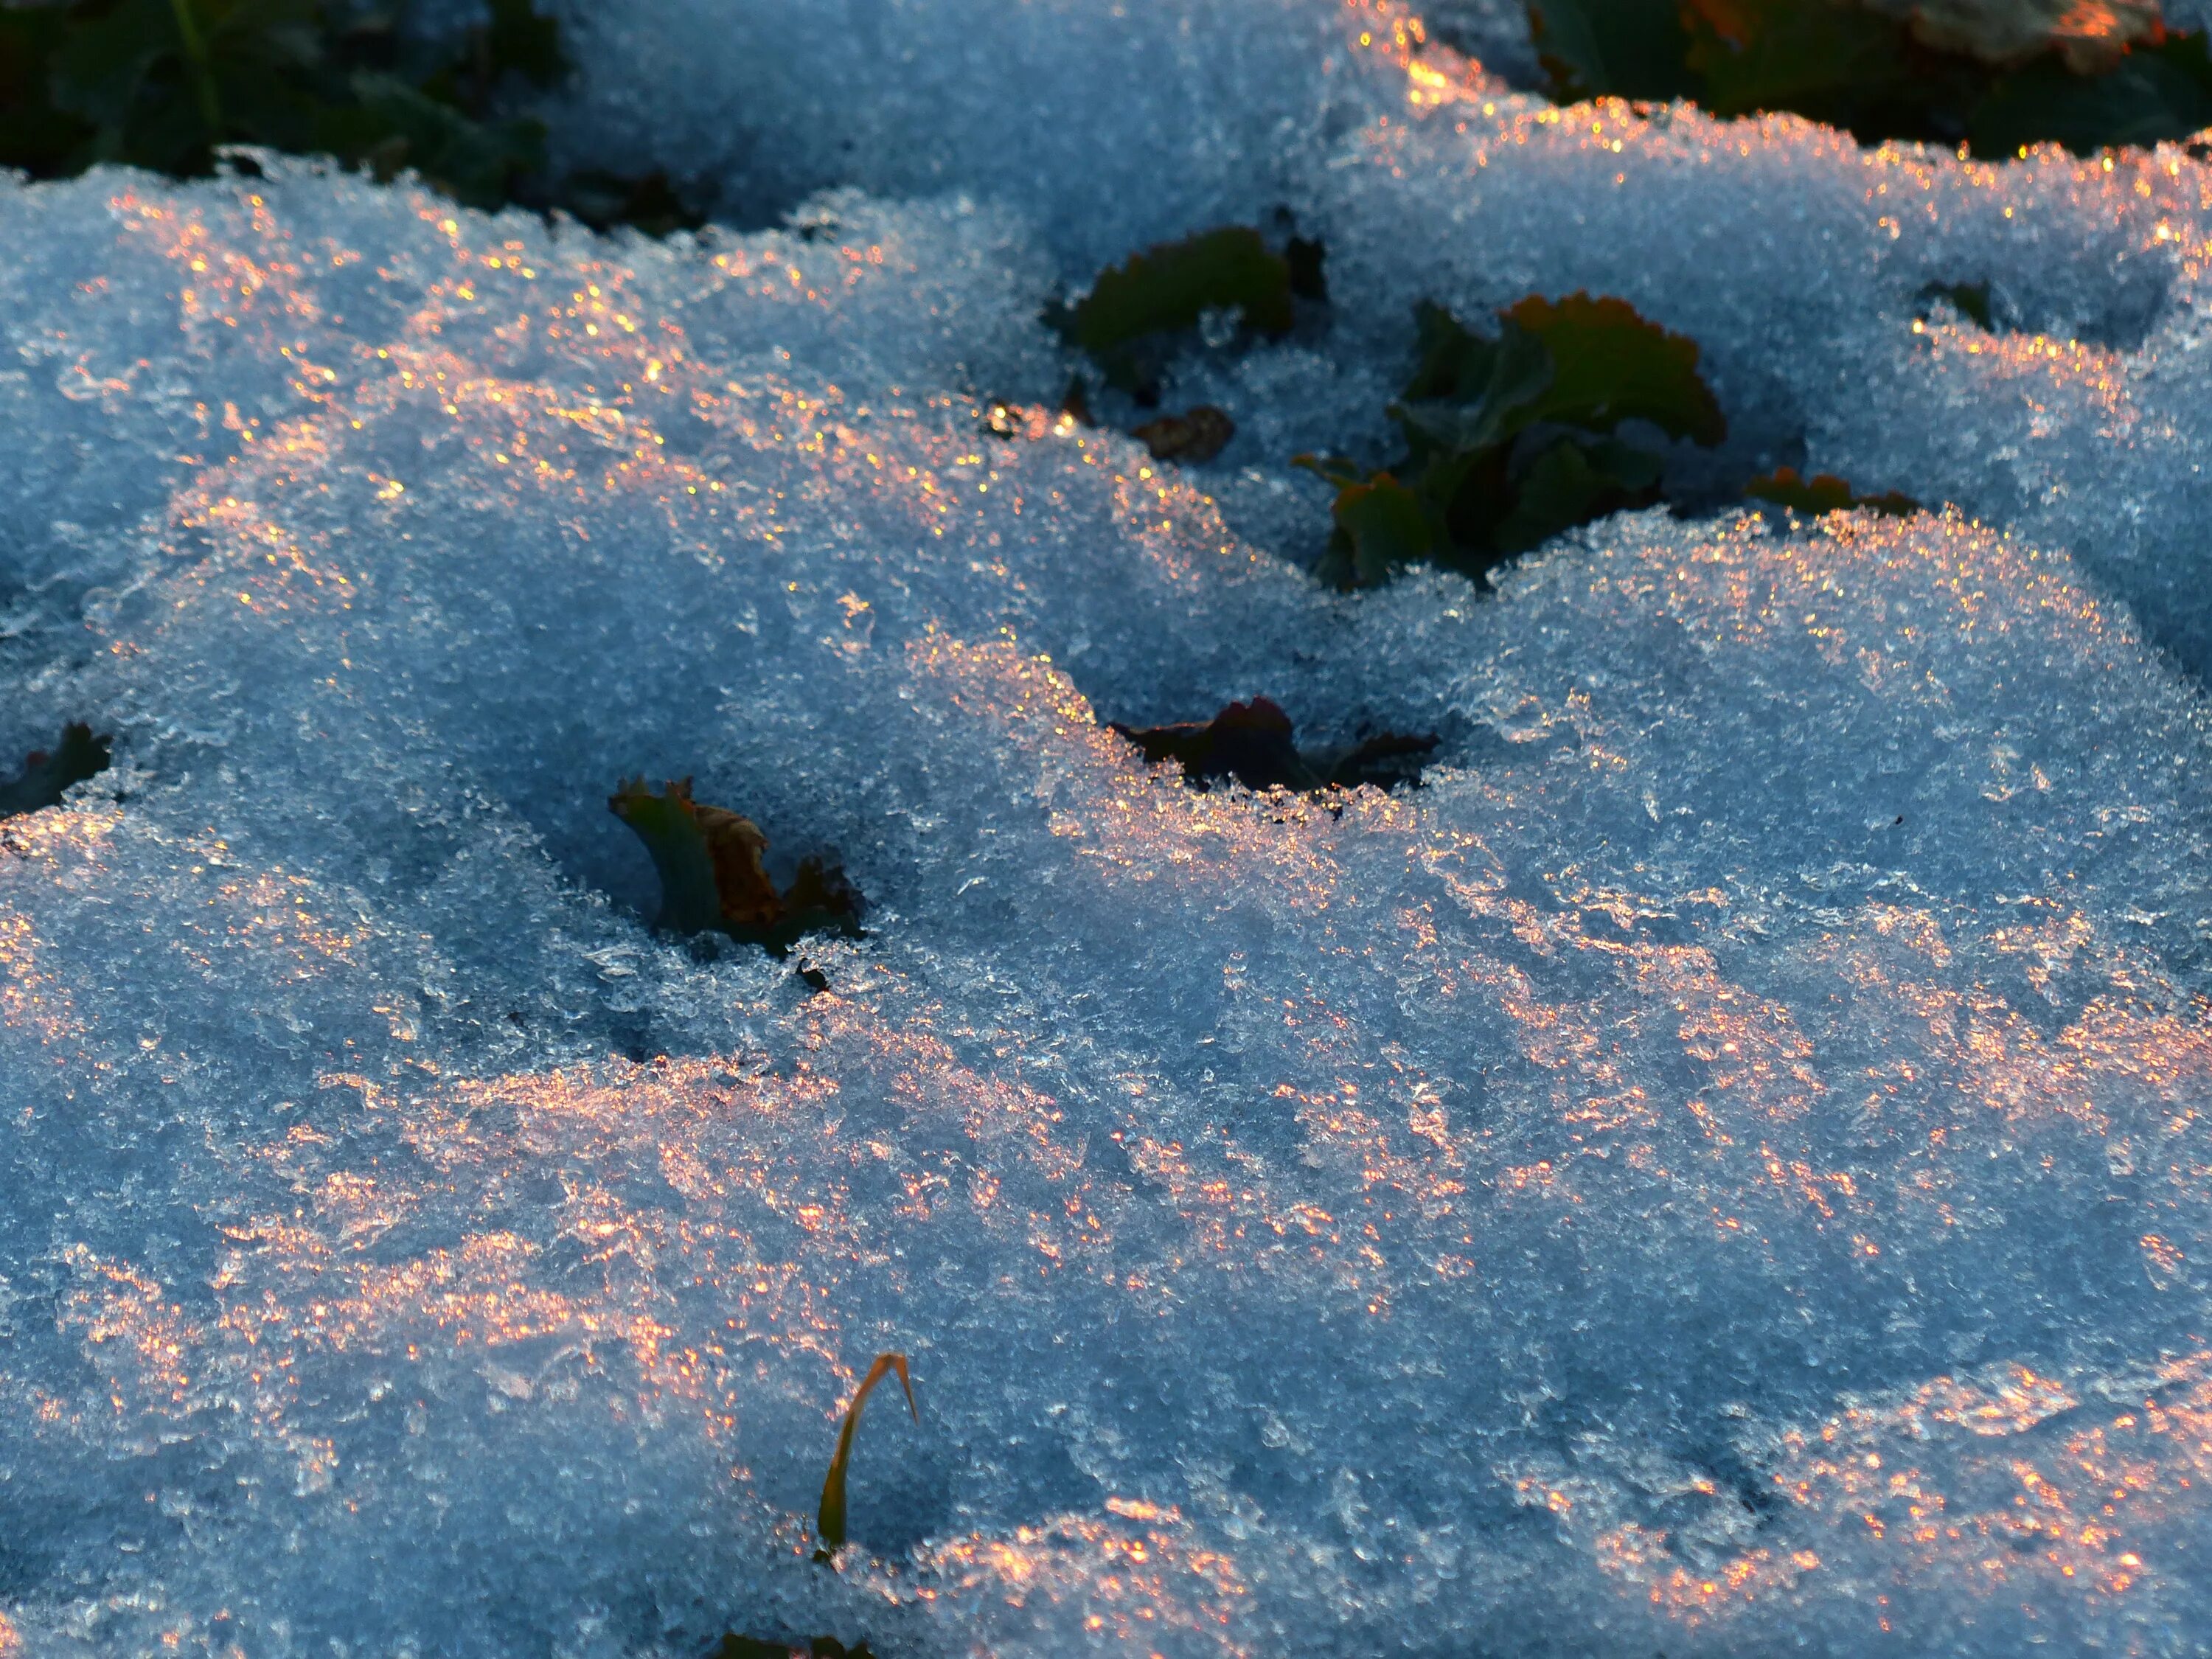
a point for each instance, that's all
(1169, 288)
(830, 1520)
(1610, 365)
(1379, 525)
(1512, 438)
(712, 878)
(1570, 483)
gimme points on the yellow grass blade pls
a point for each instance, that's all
(829, 1523)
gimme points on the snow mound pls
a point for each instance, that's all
(1721, 1166)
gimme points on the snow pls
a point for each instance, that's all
(1722, 1168)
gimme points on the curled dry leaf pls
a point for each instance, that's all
(1198, 435)
(713, 876)
(1250, 742)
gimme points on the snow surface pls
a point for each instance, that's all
(1722, 1169)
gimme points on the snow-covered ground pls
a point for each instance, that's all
(1724, 1168)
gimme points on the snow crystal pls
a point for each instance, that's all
(1721, 1166)
(1109, 126)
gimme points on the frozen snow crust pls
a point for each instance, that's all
(1722, 1169)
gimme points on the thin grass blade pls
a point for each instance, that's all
(829, 1521)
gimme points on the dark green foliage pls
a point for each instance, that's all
(1379, 525)
(1609, 365)
(1828, 60)
(1128, 322)
(1627, 48)
(2153, 94)
(1824, 492)
(1512, 438)
(1850, 67)
(830, 1520)
(1252, 743)
(163, 84)
(713, 880)
(34, 135)
(47, 774)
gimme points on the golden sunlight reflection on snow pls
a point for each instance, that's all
(1448, 1062)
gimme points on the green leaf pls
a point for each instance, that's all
(36, 134)
(2153, 96)
(1836, 63)
(1610, 365)
(668, 823)
(1512, 438)
(161, 83)
(1620, 48)
(472, 162)
(830, 1520)
(1168, 288)
(1469, 392)
(1570, 483)
(1384, 525)
(1452, 361)
(47, 774)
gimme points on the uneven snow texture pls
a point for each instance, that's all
(1723, 1167)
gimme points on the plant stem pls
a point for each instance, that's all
(202, 77)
